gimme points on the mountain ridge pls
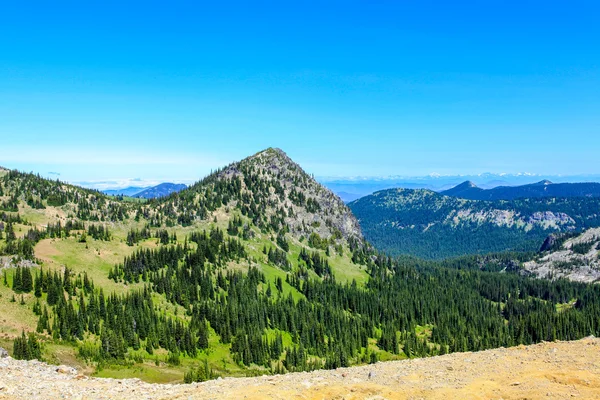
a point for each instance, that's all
(427, 224)
(544, 188)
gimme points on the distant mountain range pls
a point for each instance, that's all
(349, 189)
(545, 188)
(162, 190)
(151, 192)
(128, 191)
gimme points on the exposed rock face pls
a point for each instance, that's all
(548, 243)
(12, 261)
(548, 216)
(556, 370)
(578, 259)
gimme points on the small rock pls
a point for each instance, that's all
(515, 384)
(3, 352)
(371, 375)
(64, 369)
(344, 375)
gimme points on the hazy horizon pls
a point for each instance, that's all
(432, 180)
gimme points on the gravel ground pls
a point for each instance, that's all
(556, 370)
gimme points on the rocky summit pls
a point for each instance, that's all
(321, 210)
(273, 190)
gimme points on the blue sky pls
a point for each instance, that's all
(168, 91)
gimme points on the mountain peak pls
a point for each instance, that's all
(275, 150)
(274, 191)
(545, 182)
(467, 184)
(271, 155)
(272, 162)
(462, 189)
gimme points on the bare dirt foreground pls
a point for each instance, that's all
(549, 370)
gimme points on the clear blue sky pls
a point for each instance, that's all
(167, 91)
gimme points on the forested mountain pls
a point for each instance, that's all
(256, 269)
(427, 224)
(545, 188)
(273, 192)
(160, 190)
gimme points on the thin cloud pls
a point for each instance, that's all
(102, 157)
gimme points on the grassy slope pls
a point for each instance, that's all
(96, 258)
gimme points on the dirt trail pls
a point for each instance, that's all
(557, 370)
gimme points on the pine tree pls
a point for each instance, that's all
(26, 280)
(17, 280)
(38, 285)
(27, 347)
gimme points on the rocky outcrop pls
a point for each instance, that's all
(577, 259)
(548, 243)
(550, 217)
